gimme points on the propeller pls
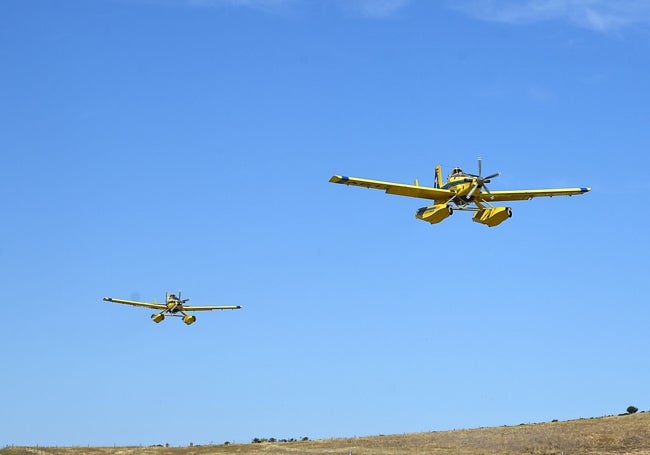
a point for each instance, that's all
(181, 300)
(479, 181)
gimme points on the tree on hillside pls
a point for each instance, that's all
(632, 409)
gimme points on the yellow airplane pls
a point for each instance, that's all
(462, 191)
(172, 306)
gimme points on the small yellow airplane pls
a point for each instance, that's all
(172, 306)
(462, 191)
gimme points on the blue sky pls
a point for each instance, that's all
(153, 145)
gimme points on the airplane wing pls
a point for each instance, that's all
(155, 306)
(521, 195)
(400, 189)
(208, 308)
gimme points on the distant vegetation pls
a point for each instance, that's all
(261, 440)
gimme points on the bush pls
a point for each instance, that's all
(632, 409)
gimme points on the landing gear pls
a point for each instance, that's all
(189, 319)
(492, 216)
(434, 213)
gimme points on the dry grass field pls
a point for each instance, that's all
(628, 434)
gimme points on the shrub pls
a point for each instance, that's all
(632, 409)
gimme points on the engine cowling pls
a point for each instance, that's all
(189, 319)
(158, 317)
(492, 217)
(434, 213)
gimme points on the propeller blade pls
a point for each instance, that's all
(496, 174)
(471, 192)
(479, 166)
(487, 190)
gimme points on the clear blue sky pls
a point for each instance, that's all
(153, 145)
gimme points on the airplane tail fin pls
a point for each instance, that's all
(438, 183)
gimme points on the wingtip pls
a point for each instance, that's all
(339, 179)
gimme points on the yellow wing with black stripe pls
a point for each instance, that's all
(153, 305)
(436, 194)
(209, 308)
(522, 195)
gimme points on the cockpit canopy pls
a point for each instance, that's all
(456, 172)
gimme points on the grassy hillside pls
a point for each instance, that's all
(628, 434)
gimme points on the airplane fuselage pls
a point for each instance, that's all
(462, 186)
(459, 185)
(174, 306)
